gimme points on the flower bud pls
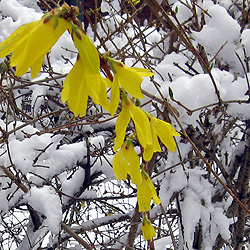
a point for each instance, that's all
(47, 18)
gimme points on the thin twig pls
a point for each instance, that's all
(76, 237)
(45, 5)
(169, 228)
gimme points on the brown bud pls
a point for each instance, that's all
(47, 18)
(77, 22)
(78, 34)
(74, 10)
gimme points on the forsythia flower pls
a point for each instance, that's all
(130, 78)
(165, 132)
(31, 41)
(86, 49)
(145, 192)
(126, 161)
(141, 122)
(148, 230)
(84, 79)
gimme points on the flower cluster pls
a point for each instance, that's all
(121, 75)
(148, 130)
(31, 42)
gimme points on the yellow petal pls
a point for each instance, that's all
(94, 85)
(75, 89)
(143, 72)
(165, 131)
(19, 55)
(87, 50)
(133, 166)
(115, 96)
(97, 91)
(107, 82)
(142, 125)
(155, 147)
(13, 41)
(20, 49)
(145, 192)
(148, 152)
(153, 192)
(153, 127)
(121, 127)
(129, 79)
(120, 165)
(36, 67)
(39, 42)
(126, 161)
(148, 230)
(144, 196)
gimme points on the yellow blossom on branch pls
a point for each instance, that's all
(86, 49)
(126, 161)
(140, 120)
(148, 230)
(129, 78)
(31, 41)
(146, 192)
(84, 79)
(162, 130)
(75, 88)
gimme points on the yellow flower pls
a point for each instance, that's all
(30, 42)
(75, 89)
(84, 79)
(148, 230)
(162, 130)
(126, 161)
(140, 120)
(86, 49)
(79, 84)
(130, 78)
(145, 192)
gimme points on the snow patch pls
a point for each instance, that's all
(46, 202)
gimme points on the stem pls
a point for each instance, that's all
(76, 237)
(169, 227)
(45, 5)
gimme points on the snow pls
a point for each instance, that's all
(41, 154)
(221, 30)
(161, 244)
(196, 205)
(183, 12)
(4, 206)
(71, 185)
(47, 155)
(245, 40)
(98, 141)
(11, 8)
(47, 202)
(220, 224)
(88, 194)
(16, 16)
